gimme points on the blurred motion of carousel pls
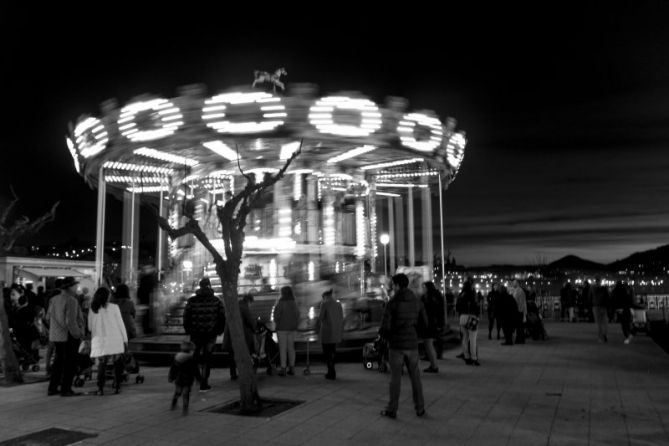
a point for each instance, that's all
(361, 165)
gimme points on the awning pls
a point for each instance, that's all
(36, 272)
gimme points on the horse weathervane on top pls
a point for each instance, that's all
(264, 76)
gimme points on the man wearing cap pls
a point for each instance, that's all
(330, 326)
(204, 319)
(66, 328)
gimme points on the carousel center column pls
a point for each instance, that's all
(130, 238)
(428, 251)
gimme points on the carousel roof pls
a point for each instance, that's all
(151, 142)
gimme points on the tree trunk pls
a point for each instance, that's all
(8, 360)
(248, 384)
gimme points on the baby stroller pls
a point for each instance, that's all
(267, 349)
(535, 327)
(376, 352)
(26, 358)
(84, 364)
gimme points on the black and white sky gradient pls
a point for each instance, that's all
(565, 105)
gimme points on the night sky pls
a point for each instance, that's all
(565, 107)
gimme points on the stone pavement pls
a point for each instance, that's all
(569, 390)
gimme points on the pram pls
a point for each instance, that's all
(640, 321)
(27, 359)
(535, 327)
(267, 349)
(376, 352)
(84, 369)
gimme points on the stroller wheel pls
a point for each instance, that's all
(307, 372)
(139, 379)
(79, 382)
(25, 367)
(368, 365)
(35, 368)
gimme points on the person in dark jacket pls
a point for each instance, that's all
(249, 326)
(494, 298)
(398, 326)
(468, 309)
(508, 311)
(122, 299)
(433, 302)
(204, 319)
(600, 303)
(183, 373)
(623, 302)
(330, 326)
(286, 317)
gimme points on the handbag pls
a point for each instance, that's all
(85, 347)
(472, 323)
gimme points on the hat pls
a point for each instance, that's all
(68, 282)
(205, 282)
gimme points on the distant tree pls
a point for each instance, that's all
(232, 218)
(12, 229)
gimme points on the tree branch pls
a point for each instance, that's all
(191, 227)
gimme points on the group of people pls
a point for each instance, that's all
(204, 320)
(64, 319)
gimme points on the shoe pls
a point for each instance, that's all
(282, 371)
(476, 362)
(69, 393)
(627, 340)
(291, 371)
(431, 370)
(468, 361)
(420, 413)
(205, 388)
(52, 392)
(461, 356)
(389, 414)
(100, 392)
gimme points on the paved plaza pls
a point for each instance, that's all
(569, 390)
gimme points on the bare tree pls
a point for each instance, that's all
(12, 229)
(232, 217)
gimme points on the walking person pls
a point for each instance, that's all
(109, 340)
(521, 316)
(66, 328)
(183, 373)
(433, 302)
(204, 320)
(600, 302)
(398, 326)
(468, 308)
(623, 301)
(508, 313)
(330, 327)
(286, 318)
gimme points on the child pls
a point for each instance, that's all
(183, 372)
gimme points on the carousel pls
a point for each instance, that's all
(362, 166)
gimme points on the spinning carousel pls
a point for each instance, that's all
(361, 163)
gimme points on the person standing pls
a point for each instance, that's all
(494, 298)
(468, 308)
(623, 301)
(398, 326)
(521, 316)
(109, 340)
(600, 302)
(286, 317)
(66, 328)
(204, 319)
(508, 313)
(433, 302)
(121, 297)
(183, 373)
(330, 328)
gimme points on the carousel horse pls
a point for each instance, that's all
(264, 76)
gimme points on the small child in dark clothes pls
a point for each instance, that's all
(183, 372)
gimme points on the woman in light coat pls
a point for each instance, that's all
(109, 340)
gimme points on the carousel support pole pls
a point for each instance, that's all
(391, 233)
(371, 205)
(411, 229)
(426, 217)
(100, 232)
(161, 234)
(441, 231)
(401, 237)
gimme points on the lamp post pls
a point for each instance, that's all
(384, 239)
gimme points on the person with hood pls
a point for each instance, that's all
(204, 320)
(399, 327)
(330, 326)
(286, 318)
(183, 373)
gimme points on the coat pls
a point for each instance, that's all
(64, 318)
(433, 302)
(204, 315)
(330, 322)
(128, 314)
(400, 320)
(286, 315)
(108, 335)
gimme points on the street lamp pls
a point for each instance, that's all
(384, 239)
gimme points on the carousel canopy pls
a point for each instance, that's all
(149, 143)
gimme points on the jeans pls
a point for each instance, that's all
(286, 347)
(602, 320)
(430, 352)
(397, 358)
(63, 369)
(469, 348)
(329, 351)
(204, 347)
